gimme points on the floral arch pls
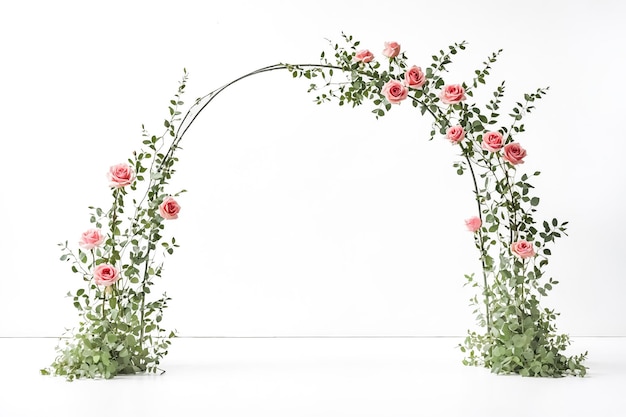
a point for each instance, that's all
(121, 255)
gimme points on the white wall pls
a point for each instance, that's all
(304, 220)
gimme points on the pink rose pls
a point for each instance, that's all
(522, 249)
(452, 94)
(414, 77)
(455, 134)
(514, 153)
(105, 274)
(364, 56)
(395, 91)
(492, 141)
(169, 208)
(473, 224)
(121, 175)
(90, 239)
(392, 49)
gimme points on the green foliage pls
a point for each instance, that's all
(519, 335)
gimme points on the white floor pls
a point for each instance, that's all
(390, 377)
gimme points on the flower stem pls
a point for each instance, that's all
(522, 307)
(190, 116)
(143, 300)
(512, 212)
(480, 243)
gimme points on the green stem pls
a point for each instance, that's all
(481, 245)
(143, 300)
(114, 255)
(480, 242)
(183, 127)
(512, 212)
(521, 309)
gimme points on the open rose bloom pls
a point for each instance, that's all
(514, 153)
(414, 77)
(455, 134)
(105, 274)
(395, 91)
(523, 249)
(452, 94)
(473, 224)
(364, 56)
(169, 208)
(492, 141)
(392, 49)
(90, 239)
(121, 175)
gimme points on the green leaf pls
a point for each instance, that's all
(130, 340)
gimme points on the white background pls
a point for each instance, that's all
(301, 219)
